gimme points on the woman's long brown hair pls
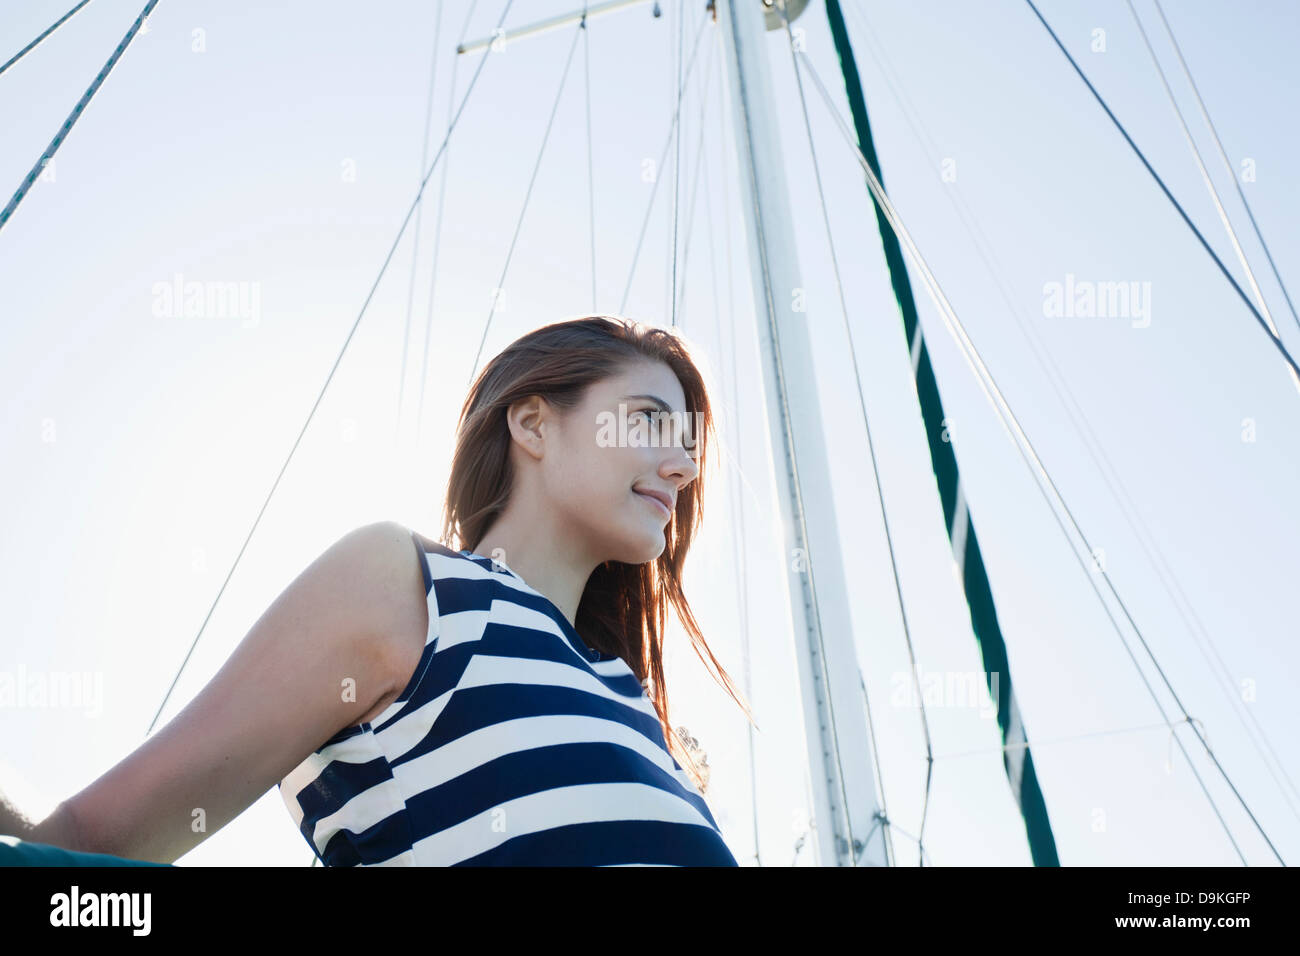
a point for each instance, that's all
(623, 610)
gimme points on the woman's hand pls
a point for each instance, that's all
(58, 829)
(12, 822)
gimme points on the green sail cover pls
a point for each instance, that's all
(1016, 757)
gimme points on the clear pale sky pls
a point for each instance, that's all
(282, 148)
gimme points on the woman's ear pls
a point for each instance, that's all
(526, 419)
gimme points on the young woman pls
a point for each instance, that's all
(501, 702)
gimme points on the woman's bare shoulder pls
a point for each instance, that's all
(385, 556)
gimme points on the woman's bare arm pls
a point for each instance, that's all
(282, 693)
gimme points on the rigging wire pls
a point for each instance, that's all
(735, 497)
(1042, 741)
(1083, 427)
(677, 167)
(48, 30)
(892, 826)
(415, 235)
(382, 269)
(1026, 451)
(1277, 342)
(1209, 184)
(871, 448)
(663, 154)
(1232, 173)
(679, 294)
(591, 175)
(437, 236)
(75, 115)
(519, 225)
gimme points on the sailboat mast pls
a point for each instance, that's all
(846, 821)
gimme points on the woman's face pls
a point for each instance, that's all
(606, 458)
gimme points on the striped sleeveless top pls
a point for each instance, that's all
(513, 744)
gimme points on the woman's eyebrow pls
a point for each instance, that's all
(663, 406)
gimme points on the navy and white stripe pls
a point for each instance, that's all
(513, 744)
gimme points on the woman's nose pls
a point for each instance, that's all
(681, 465)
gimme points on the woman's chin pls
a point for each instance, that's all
(642, 549)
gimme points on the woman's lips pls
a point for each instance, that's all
(663, 508)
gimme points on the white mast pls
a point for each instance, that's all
(846, 823)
